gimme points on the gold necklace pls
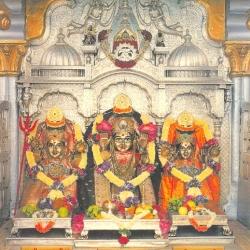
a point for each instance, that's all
(126, 172)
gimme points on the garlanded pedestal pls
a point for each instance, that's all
(43, 224)
(198, 221)
(107, 225)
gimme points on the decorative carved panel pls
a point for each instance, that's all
(225, 172)
(238, 53)
(245, 155)
(142, 104)
(66, 101)
(11, 54)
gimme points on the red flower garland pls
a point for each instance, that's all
(165, 223)
(77, 223)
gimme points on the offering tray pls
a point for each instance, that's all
(220, 220)
(107, 224)
(20, 222)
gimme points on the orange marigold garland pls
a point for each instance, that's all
(196, 225)
(44, 226)
(44, 220)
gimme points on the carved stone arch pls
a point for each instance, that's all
(144, 83)
(64, 100)
(140, 97)
(120, 75)
(193, 97)
(194, 103)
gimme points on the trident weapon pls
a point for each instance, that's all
(26, 126)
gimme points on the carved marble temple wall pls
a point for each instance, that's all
(160, 58)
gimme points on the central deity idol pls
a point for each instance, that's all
(124, 155)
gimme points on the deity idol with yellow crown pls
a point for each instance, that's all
(190, 159)
(56, 158)
(124, 155)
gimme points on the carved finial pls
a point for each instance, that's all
(125, 20)
(187, 37)
(124, 4)
(60, 36)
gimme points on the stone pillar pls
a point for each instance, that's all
(231, 206)
(8, 93)
(217, 128)
(4, 89)
(14, 146)
(244, 178)
(246, 89)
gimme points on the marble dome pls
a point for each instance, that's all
(61, 54)
(187, 55)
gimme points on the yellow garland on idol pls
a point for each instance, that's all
(69, 180)
(181, 176)
(151, 152)
(78, 132)
(55, 194)
(83, 162)
(55, 118)
(112, 178)
(44, 178)
(30, 159)
(97, 154)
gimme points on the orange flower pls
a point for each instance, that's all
(197, 227)
(44, 226)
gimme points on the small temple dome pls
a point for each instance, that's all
(61, 54)
(187, 55)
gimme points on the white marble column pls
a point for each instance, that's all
(246, 89)
(4, 91)
(244, 183)
(14, 145)
(231, 206)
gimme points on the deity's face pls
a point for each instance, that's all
(123, 141)
(186, 150)
(56, 148)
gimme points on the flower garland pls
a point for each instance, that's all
(197, 226)
(124, 227)
(165, 223)
(44, 226)
(77, 223)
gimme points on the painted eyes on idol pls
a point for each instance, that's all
(119, 139)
